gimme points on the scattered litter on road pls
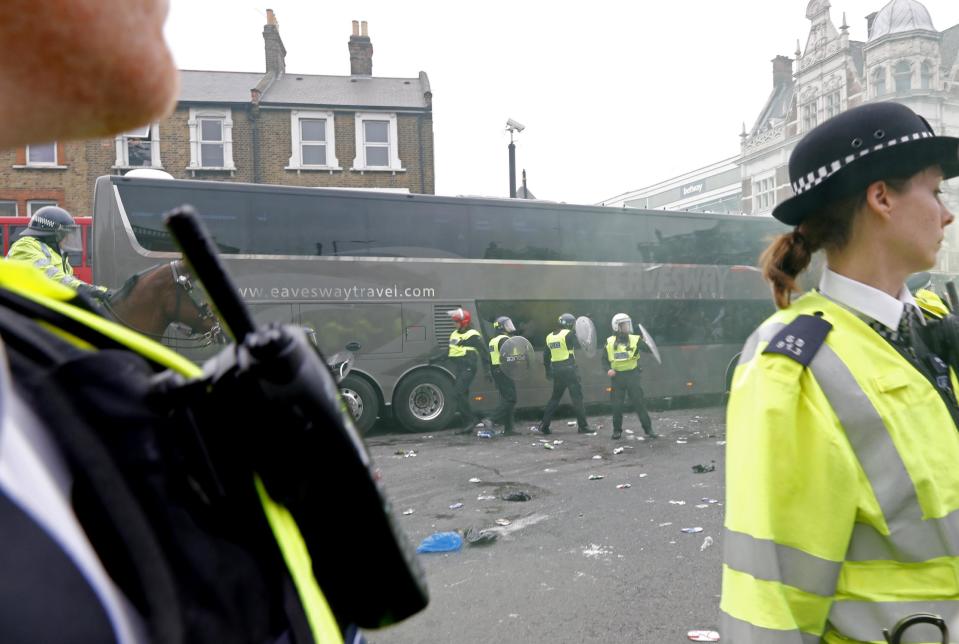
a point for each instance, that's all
(548, 446)
(691, 530)
(596, 551)
(677, 503)
(408, 512)
(702, 505)
(479, 537)
(703, 636)
(623, 486)
(596, 477)
(557, 442)
(571, 423)
(550, 470)
(680, 441)
(598, 457)
(475, 480)
(456, 506)
(486, 497)
(629, 431)
(708, 541)
(720, 442)
(516, 496)
(643, 475)
(663, 525)
(618, 450)
(639, 438)
(598, 427)
(441, 542)
(702, 469)
(484, 434)
(707, 500)
(405, 453)
(502, 522)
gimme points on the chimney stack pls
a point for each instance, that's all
(361, 51)
(782, 70)
(273, 46)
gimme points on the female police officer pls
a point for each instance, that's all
(842, 484)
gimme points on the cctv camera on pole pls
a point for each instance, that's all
(513, 126)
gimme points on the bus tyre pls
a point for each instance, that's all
(425, 401)
(362, 401)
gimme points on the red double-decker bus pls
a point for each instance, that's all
(10, 227)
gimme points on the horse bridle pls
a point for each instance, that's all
(183, 285)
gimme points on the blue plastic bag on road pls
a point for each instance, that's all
(441, 542)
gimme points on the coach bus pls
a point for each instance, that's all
(383, 270)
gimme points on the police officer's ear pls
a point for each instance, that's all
(881, 199)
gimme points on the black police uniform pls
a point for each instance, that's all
(507, 388)
(565, 376)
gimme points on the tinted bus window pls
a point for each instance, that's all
(615, 237)
(411, 229)
(501, 233)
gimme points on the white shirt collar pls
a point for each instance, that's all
(869, 301)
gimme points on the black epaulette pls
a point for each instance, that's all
(801, 338)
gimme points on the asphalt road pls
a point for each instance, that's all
(581, 561)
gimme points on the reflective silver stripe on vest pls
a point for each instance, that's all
(768, 560)
(865, 620)
(51, 272)
(739, 632)
(764, 333)
(911, 539)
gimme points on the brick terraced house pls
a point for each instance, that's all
(356, 131)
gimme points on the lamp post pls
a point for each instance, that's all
(513, 127)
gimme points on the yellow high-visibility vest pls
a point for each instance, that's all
(457, 338)
(842, 494)
(623, 357)
(494, 348)
(558, 349)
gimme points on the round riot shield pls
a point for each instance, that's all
(586, 335)
(648, 339)
(516, 357)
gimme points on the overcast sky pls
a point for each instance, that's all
(615, 95)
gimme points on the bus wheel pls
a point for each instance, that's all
(424, 401)
(362, 400)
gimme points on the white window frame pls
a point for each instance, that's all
(834, 107)
(359, 162)
(879, 75)
(44, 164)
(36, 204)
(764, 192)
(296, 152)
(809, 114)
(201, 113)
(898, 74)
(16, 207)
(123, 159)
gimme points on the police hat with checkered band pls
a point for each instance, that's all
(845, 154)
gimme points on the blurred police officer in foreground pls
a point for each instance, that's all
(466, 348)
(559, 358)
(621, 359)
(504, 384)
(842, 489)
(45, 242)
(82, 556)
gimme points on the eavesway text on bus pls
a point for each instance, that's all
(338, 293)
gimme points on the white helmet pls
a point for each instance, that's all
(622, 323)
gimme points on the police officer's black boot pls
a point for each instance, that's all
(617, 434)
(650, 433)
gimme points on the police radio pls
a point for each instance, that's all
(278, 409)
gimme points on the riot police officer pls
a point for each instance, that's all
(465, 348)
(45, 242)
(504, 384)
(559, 359)
(621, 359)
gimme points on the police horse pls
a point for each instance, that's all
(153, 299)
